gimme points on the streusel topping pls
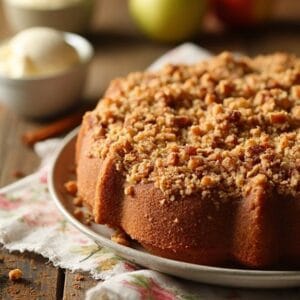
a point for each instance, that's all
(218, 125)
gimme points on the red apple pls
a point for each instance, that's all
(242, 12)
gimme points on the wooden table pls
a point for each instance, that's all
(119, 50)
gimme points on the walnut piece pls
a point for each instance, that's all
(15, 274)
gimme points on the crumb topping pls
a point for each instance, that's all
(206, 128)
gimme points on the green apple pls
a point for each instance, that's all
(168, 20)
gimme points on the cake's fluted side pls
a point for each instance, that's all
(290, 230)
(189, 229)
(200, 163)
(88, 168)
(257, 231)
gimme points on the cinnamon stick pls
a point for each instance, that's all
(54, 129)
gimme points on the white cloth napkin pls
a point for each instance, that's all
(30, 221)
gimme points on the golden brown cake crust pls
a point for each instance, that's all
(200, 163)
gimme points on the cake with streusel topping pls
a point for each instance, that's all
(200, 163)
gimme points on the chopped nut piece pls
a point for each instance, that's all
(196, 130)
(99, 132)
(278, 117)
(121, 238)
(296, 112)
(295, 92)
(217, 109)
(230, 139)
(15, 274)
(190, 150)
(78, 201)
(78, 214)
(237, 103)
(195, 162)
(207, 181)
(162, 202)
(173, 159)
(71, 187)
(129, 190)
(209, 99)
(228, 163)
(182, 121)
(175, 148)
(88, 219)
(259, 179)
(225, 88)
(234, 116)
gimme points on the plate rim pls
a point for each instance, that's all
(292, 275)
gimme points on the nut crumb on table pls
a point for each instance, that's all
(76, 286)
(79, 277)
(15, 274)
(71, 187)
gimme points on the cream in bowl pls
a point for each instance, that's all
(44, 4)
(66, 15)
(43, 71)
(37, 52)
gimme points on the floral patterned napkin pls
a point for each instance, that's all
(30, 221)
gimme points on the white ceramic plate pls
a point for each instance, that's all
(60, 173)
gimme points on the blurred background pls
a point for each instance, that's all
(129, 35)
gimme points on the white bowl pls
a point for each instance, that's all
(43, 96)
(71, 18)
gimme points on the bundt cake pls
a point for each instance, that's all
(200, 163)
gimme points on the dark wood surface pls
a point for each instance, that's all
(119, 50)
